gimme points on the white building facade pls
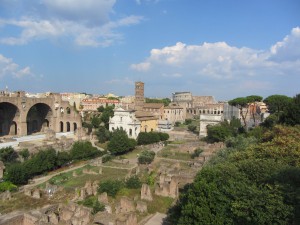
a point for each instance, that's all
(126, 120)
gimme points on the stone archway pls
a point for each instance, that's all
(8, 117)
(38, 118)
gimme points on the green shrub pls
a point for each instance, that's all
(92, 202)
(7, 186)
(107, 158)
(196, 153)
(111, 187)
(84, 150)
(133, 182)
(192, 127)
(146, 157)
(187, 121)
(177, 124)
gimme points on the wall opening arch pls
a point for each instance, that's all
(38, 118)
(61, 125)
(68, 127)
(9, 114)
(74, 126)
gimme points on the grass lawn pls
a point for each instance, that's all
(159, 204)
(171, 154)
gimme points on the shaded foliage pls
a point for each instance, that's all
(250, 182)
(84, 150)
(145, 138)
(111, 187)
(120, 143)
(146, 157)
(103, 134)
(8, 155)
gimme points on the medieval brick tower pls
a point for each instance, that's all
(139, 95)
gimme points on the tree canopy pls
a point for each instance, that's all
(250, 182)
(120, 143)
(277, 103)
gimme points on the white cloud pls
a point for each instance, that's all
(90, 11)
(144, 66)
(139, 2)
(219, 67)
(288, 49)
(87, 23)
(9, 68)
(125, 80)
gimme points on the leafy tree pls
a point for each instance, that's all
(247, 183)
(100, 108)
(106, 114)
(163, 136)
(103, 134)
(145, 138)
(84, 150)
(242, 103)
(291, 115)
(217, 133)
(120, 143)
(277, 103)
(63, 158)
(146, 157)
(95, 121)
(16, 174)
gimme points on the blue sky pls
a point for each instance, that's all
(224, 48)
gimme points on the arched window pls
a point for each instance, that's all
(68, 110)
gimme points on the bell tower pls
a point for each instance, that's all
(139, 95)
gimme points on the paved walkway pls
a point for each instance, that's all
(157, 219)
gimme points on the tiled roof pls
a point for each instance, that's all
(153, 105)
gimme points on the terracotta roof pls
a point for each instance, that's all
(153, 105)
(173, 106)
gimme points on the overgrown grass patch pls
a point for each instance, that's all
(159, 204)
(117, 164)
(174, 155)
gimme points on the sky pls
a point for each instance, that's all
(223, 48)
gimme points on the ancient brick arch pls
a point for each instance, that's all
(9, 115)
(20, 115)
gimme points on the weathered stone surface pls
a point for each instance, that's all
(125, 205)
(53, 218)
(108, 209)
(128, 219)
(37, 194)
(5, 196)
(75, 174)
(141, 207)
(167, 188)
(103, 198)
(146, 193)
(2, 167)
